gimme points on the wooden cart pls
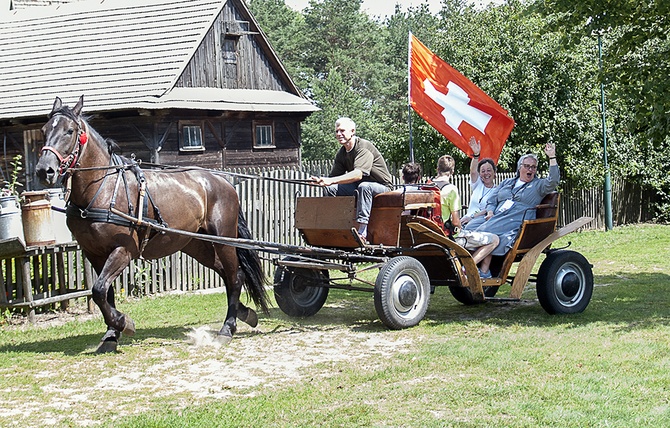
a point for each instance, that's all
(414, 257)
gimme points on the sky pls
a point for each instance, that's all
(383, 8)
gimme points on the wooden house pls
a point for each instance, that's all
(175, 82)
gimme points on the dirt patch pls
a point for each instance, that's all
(190, 371)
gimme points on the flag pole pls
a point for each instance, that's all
(409, 88)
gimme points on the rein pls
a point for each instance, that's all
(306, 182)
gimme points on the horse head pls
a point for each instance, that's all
(65, 136)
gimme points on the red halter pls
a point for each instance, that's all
(71, 159)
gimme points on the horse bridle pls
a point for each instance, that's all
(69, 161)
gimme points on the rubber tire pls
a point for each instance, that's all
(463, 294)
(407, 275)
(295, 292)
(564, 282)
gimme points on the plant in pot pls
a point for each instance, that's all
(11, 186)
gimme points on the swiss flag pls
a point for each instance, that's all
(453, 105)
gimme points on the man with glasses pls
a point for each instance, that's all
(358, 167)
(513, 201)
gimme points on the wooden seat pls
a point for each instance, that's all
(531, 233)
(535, 230)
(390, 207)
(405, 200)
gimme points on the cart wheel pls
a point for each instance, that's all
(297, 290)
(402, 292)
(564, 282)
(464, 295)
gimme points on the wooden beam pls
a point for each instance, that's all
(528, 261)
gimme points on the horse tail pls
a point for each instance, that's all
(251, 265)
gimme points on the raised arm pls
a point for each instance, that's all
(476, 149)
(550, 183)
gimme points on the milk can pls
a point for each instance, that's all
(58, 218)
(11, 225)
(37, 226)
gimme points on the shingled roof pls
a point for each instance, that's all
(122, 54)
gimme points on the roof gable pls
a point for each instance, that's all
(120, 54)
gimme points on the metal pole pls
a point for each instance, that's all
(608, 184)
(411, 143)
(409, 96)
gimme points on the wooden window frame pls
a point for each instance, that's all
(264, 123)
(183, 124)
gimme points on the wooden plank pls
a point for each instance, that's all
(27, 287)
(384, 226)
(526, 264)
(3, 289)
(328, 213)
(60, 274)
(471, 277)
(30, 305)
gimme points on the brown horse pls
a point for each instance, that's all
(106, 190)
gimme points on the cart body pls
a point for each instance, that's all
(415, 256)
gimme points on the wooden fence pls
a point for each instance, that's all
(268, 197)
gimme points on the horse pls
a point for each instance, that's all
(99, 182)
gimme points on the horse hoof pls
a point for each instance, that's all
(251, 318)
(107, 346)
(129, 327)
(222, 339)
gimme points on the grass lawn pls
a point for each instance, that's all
(496, 364)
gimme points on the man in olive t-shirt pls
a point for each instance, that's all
(358, 166)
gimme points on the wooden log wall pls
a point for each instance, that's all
(248, 67)
(228, 140)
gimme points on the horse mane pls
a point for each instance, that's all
(67, 111)
(113, 146)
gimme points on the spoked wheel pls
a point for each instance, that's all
(402, 292)
(300, 292)
(564, 283)
(464, 295)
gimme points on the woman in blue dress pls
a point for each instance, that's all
(513, 201)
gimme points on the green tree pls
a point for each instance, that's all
(636, 67)
(286, 30)
(349, 75)
(539, 61)
(544, 86)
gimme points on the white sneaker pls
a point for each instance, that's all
(485, 275)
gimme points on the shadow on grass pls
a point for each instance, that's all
(633, 301)
(78, 344)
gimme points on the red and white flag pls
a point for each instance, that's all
(453, 105)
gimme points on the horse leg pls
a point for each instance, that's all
(103, 296)
(247, 315)
(233, 278)
(223, 260)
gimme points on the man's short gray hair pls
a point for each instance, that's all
(523, 158)
(346, 123)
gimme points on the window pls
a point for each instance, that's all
(264, 135)
(230, 50)
(191, 137)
